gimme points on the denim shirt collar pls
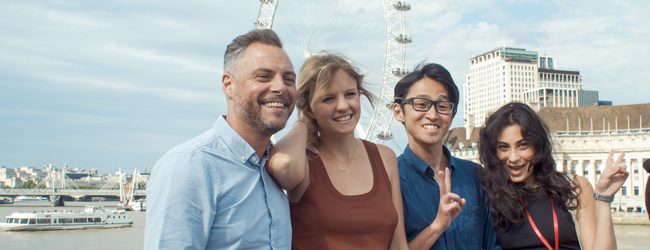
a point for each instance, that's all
(420, 166)
(236, 143)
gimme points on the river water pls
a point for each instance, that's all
(628, 237)
(100, 239)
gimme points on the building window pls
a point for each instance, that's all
(624, 191)
(636, 190)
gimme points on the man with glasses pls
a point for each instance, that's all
(444, 206)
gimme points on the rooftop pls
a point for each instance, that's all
(559, 71)
(556, 119)
(507, 51)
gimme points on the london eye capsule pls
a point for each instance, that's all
(402, 6)
(403, 38)
(385, 135)
(400, 72)
(260, 24)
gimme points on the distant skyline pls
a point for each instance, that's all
(117, 84)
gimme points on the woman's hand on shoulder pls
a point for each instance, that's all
(613, 176)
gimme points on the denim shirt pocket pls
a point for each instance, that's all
(468, 221)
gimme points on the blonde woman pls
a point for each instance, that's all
(344, 192)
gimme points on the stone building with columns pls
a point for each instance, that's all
(582, 138)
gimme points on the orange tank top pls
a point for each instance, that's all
(326, 219)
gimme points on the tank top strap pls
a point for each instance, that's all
(378, 168)
(316, 170)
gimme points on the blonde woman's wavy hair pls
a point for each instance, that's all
(315, 76)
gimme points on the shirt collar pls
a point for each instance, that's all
(420, 166)
(239, 147)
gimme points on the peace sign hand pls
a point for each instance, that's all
(613, 176)
(450, 203)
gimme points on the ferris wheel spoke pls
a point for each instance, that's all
(329, 25)
(350, 29)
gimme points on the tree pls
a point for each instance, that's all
(28, 184)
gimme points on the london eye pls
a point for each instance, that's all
(328, 25)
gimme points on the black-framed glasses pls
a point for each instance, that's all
(423, 105)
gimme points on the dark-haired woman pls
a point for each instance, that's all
(530, 200)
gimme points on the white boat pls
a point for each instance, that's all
(91, 217)
(139, 205)
(24, 198)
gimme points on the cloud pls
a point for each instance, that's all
(158, 57)
(178, 94)
(126, 73)
(604, 40)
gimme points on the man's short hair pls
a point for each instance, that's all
(432, 71)
(237, 47)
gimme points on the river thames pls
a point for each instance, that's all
(628, 237)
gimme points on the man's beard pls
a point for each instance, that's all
(250, 111)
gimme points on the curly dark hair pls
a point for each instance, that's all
(504, 196)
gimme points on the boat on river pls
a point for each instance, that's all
(92, 217)
(6, 200)
(31, 199)
(139, 205)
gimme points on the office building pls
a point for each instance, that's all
(498, 77)
(588, 98)
(507, 74)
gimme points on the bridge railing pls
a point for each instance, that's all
(68, 192)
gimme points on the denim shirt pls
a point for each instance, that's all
(472, 229)
(213, 192)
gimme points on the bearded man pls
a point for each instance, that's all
(213, 192)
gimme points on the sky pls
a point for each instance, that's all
(116, 84)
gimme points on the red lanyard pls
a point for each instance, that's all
(557, 238)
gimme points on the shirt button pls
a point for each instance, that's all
(254, 158)
(449, 241)
(243, 158)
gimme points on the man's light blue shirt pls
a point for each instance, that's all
(473, 229)
(213, 192)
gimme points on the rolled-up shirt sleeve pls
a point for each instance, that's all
(181, 202)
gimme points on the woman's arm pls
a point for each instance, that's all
(390, 163)
(594, 216)
(288, 160)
